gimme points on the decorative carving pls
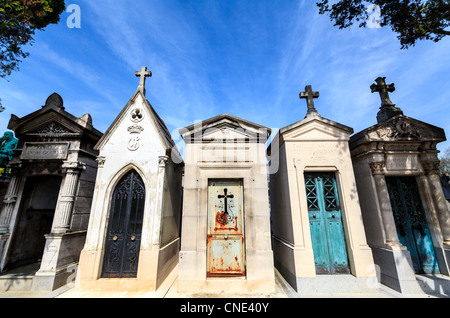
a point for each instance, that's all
(135, 129)
(134, 143)
(163, 161)
(53, 129)
(378, 167)
(101, 161)
(137, 115)
(431, 167)
(400, 129)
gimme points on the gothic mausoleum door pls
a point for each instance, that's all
(412, 227)
(325, 217)
(226, 252)
(125, 228)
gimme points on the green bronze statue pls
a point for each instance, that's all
(7, 145)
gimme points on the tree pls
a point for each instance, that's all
(413, 20)
(19, 19)
(444, 167)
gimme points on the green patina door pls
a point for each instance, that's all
(412, 227)
(325, 217)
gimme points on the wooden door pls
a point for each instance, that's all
(226, 251)
(327, 231)
(412, 227)
(125, 228)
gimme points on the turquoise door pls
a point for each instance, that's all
(325, 217)
(412, 227)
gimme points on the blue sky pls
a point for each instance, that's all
(247, 58)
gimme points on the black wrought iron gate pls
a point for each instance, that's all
(125, 228)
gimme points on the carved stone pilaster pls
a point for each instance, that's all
(431, 167)
(378, 168)
(63, 212)
(163, 161)
(101, 161)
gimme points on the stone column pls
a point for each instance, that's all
(431, 169)
(156, 237)
(63, 212)
(9, 204)
(387, 216)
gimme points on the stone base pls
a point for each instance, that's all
(58, 266)
(396, 270)
(337, 284)
(260, 278)
(154, 267)
(52, 280)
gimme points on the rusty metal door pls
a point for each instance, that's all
(226, 246)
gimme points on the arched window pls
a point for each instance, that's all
(125, 228)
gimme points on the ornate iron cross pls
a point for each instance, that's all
(309, 95)
(226, 197)
(143, 74)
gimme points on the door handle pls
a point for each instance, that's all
(133, 238)
(226, 237)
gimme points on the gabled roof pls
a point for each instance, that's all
(399, 128)
(162, 130)
(248, 128)
(53, 111)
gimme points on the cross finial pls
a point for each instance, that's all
(384, 91)
(309, 95)
(143, 74)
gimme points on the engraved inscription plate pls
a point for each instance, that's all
(46, 151)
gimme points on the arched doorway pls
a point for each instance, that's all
(123, 238)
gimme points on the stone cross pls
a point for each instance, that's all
(384, 91)
(309, 95)
(143, 74)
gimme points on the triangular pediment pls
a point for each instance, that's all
(400, 128)
(225, 127)
(316, 129)
(49, 124)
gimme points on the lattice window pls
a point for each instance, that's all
(311, 193)
(329, 189)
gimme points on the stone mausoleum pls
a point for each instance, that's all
(225, 240)
(45, 215)
(405, 213)
(318, 236)
(133, 238)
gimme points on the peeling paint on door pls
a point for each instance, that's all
(226, 245)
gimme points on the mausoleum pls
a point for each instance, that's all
(318, 236)
(405, 213)
(133, 237)
(45, 214)
(225, 240)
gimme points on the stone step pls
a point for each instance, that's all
(19, 279)
(15, 283)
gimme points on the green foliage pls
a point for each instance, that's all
(444, 167)
(19, 19)
(412, 20)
